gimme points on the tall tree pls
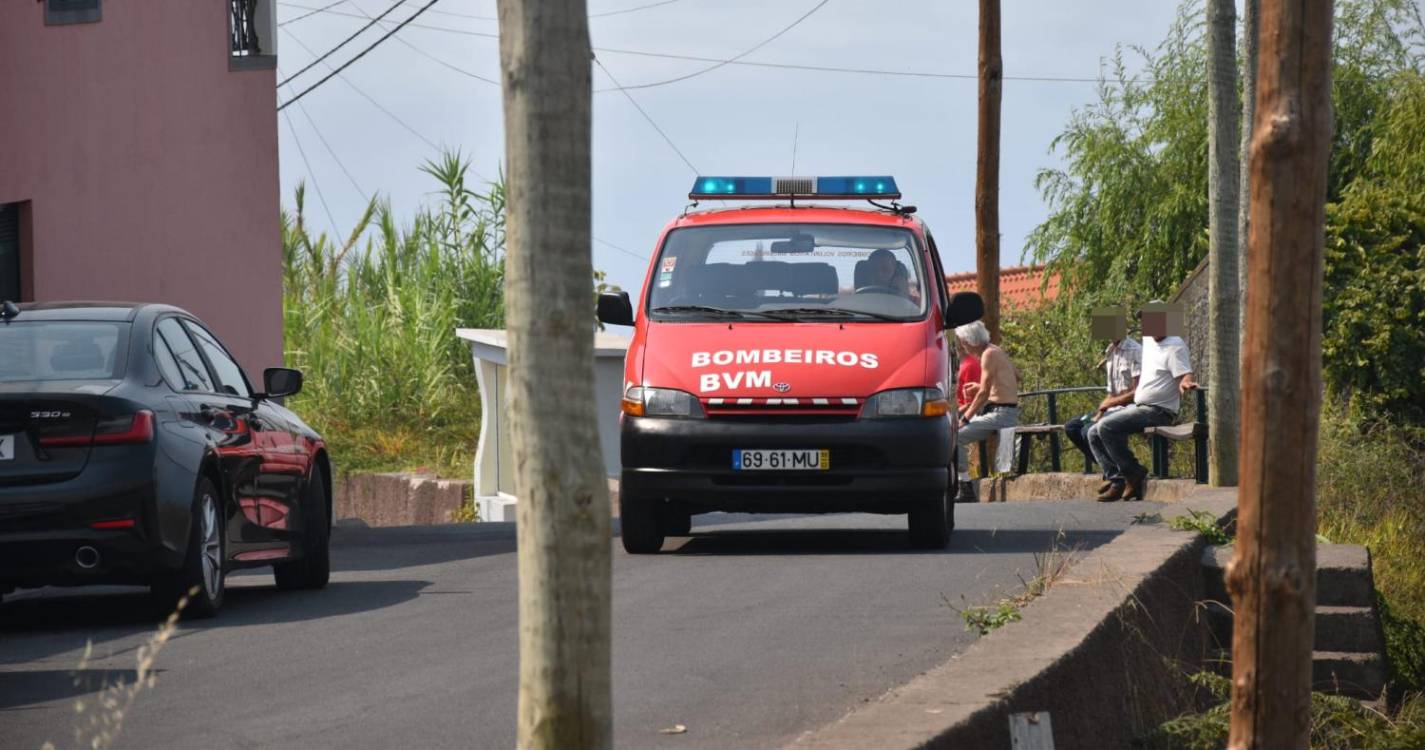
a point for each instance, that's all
(987, 165)
(1250, 14)
(563, 512)
(1223, 301)
(1272, 577)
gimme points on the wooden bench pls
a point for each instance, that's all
(1162, 437)
(1030, 431)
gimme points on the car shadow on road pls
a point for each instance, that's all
(358, 548)
(882, 542)
(63, 620)
(20, 689)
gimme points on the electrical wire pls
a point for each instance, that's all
(311, 12)
(431, 57)
(647, 117)
(753, 63)
(342, 43)
(368, 97)
(730, 60)
(625, 251)
(358, 55)
(311, 174)
(303, 109)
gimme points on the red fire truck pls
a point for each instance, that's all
(790, 357)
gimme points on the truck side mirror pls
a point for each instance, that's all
(964, 307)
(615, 309)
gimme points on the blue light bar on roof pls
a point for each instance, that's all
(773, 188)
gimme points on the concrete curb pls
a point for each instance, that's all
(398, 499)
(1104, 652)
(1061, 485)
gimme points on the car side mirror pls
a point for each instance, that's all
(964, 307)
(615, 309)
(281, 381)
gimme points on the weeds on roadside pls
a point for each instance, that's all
(1336, 722)
(1051, 565)
(1205, 523)
(100, 719)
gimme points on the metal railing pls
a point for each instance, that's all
(243, 28)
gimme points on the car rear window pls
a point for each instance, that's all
(61, 350)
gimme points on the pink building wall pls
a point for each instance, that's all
(149, 167)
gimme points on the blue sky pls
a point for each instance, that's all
(731, 120)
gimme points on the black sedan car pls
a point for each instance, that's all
(134, 450)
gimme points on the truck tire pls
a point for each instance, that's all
(640, 525)
(931, 521)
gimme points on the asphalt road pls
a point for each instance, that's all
(748, 634)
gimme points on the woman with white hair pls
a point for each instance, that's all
(995, 399)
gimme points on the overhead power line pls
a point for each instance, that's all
(310, 13)
(647, 117)
(358, 55)
(367, 96)
(433, 58)
(732, 59)
(625, 251)
(312, 174)
(343, 42)
(749, 63)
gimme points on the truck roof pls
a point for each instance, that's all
(786, 214)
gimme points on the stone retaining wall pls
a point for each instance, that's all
(398, 499)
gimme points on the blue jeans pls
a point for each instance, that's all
(1077, 430)
(1108, 438)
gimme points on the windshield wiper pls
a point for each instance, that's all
(826, 312)
(721, 311)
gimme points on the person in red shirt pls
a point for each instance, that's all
(969, 374)
(967, 381)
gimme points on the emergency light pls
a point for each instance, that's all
(855, 187)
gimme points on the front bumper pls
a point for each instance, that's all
(878, 466)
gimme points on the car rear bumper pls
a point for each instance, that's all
(879, 466)
(42, 527)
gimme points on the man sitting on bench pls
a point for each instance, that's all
(1122, 359)
(1167, 374)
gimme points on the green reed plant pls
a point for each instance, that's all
(370, 318)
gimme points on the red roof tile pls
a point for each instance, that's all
(1019, 286)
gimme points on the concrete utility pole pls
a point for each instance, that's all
(1272, 577)
(1223, 298)
(563, 521)
(1250, 14)
(987, 166)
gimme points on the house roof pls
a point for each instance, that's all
(1019, 286)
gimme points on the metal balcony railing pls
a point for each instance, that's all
(243, 28)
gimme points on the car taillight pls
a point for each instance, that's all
(122, 430)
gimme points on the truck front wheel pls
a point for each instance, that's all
(639, 525)
(931, 521)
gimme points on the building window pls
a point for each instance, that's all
(10, 251)
(60, 12)
(252, 34)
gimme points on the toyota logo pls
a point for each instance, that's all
(782, 387)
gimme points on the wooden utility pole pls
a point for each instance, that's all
(987, 166)
(1272, 576)
(1250, 14)
(1224, 332)
(563, 526)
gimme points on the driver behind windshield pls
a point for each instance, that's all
(884, 272)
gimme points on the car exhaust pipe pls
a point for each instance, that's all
(86, 557)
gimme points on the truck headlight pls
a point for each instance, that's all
(639, 401)
(906, 402)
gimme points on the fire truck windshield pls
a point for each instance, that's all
(789, 271)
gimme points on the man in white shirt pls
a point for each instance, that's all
(1166, 375)
(1123, 360)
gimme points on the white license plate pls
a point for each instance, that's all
(7, 447)
(781, 460)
